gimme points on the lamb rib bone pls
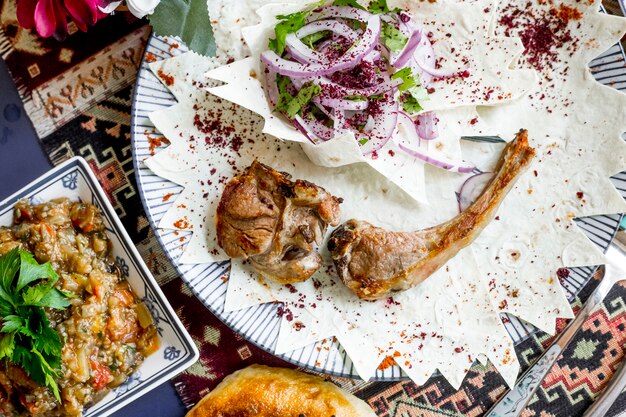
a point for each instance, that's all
(373, 262)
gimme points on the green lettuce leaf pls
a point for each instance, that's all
(187, 19)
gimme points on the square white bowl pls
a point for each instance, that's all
(177, 351)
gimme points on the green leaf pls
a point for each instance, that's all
(392, 38)
(29, 340)
(9, 265)
(291, 105)
(380, 6)
(45, 373)
(188, 19)
(7, 344)
(11, 324)
(313, 38)
(351, 3)
(287, 24)
(410, 104)
(31, 271)
(357, 97)
(54, 299)
(413, 90)
(406, 75)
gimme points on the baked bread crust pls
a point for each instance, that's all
(263, 391)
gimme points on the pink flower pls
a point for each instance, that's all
(49, 17)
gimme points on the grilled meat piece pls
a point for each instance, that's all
(373, 262)
(275, 223)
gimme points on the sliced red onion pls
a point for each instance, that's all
(334, 26)
(412, 146)
(313, 129)
(369, 125)
(272, 88)
(341, 104)
(426, 125)
(409, 48)
(339, 121)
(439, 162)
(384, 124)
(348, 60)
(438, 73)
(303, 53)
(472, 188)
(345, 12)
(425, 54)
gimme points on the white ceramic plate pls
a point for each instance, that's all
(74, 180)
(260, 324)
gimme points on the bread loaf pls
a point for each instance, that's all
(263, 391)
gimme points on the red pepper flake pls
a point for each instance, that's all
(474, 121)
(182, 223)
(298, 325)
(503, 304)
(567, 13)
(167, 196)
(284, 312)
(391, 152)
(167, 78)
(562, 273)
(458, 349)
(224, 279)
(388, 361)
(155, 142)
(150, 57)
(541, 33)
(535, 172)
(580, 195)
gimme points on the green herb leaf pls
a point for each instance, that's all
(31, 271)
(7, 344)
(28, 340)
(54, 298)
(413, 90)
(380, 6)
(351, 3)
(288, 24)
(406, 75)
(357, 97)
(392, 38)
(291, 105)
(12, 323)
(188, 19)
(410, 104)
(313, 38)
(9, 265)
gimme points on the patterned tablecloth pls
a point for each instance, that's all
(78, 95)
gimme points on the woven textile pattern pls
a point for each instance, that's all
(79, 94)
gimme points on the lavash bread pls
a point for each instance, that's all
(263, 391)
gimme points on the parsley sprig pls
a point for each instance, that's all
(28, 340)
(412, 92)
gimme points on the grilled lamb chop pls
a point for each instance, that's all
(275, 223)
(373, 262)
